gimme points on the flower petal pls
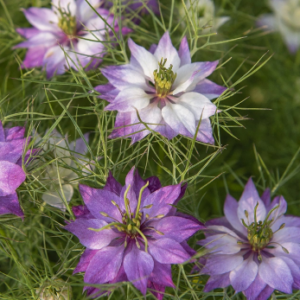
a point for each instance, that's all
(256, 287)
(220, 264)
(217, 281)
(54, 60)
(11, 177)
(209, 89)
(275, 272)
(162, 274)
(248, 201)
(165, 49)
(138, 266)
(34, 57)
(91, 239)
(85, 260)
(108, 259)
(146, 60)
(184, 52)
(168, 251)
(98, 201)
(112, 185)
(242, 276)
(10, 205)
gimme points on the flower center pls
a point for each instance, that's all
(67, 22)
(163, 78)
(260, 233)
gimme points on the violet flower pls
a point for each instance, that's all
(132, 233)
(286, 20)
(170, 93)
(70, 28)
(255, 247)
(12, 144)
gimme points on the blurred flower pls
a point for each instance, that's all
(132, 233)
(254, 248)
(55, 290)
(70, 28)
(12, 145)
(61, 176)
(286, 20)
(205, 14)
(168, 92)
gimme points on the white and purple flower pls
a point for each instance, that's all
(169, 92)
(255, 247)
(132, 233)
(12, 145)
(69, 34)
(286, 20)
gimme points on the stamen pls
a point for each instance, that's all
(140, 200)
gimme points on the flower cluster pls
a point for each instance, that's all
(12, 145)
(132, 232)
(254, 248)
(286, 20)
(164, 89)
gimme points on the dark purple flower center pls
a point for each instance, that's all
(131, 222)
(163, 78)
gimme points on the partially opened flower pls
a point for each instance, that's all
(255, 247)
(286, 20)
(61, 175)
(71, 28)
(169, 92)
(204, 10)
(132, 233)
(12, 145)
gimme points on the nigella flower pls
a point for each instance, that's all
(12, 145)
(255, 247)
(70, 26)
(132, 233)
(169, 93)
(61, 176)
(205, 13)
(286, 20)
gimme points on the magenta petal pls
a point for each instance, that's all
(168, 251)
(81, 211)
(10, 205)
(14, 133)
(184, 52)
(162, 274)
(266, 197)
(27, 32)
(11, 177)
(85, 260)
(34, 57)
(92, 239)
(98, 201)
(275, 272)
(175, 228)
(105, 265)
(161, 200)
(156, 289)
(154, 183)
(12, 151)
(2, 133)
(138, 266)
(112, 185)
(256, 287)
(217, 281)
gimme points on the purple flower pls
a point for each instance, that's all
(132, 233)
(169, 92)
(284, 20)
(12, 144)
(70, 27)
(255, 247)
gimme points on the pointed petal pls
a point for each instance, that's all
(94, 240)
(11, 177)
(168, 251)
(256, 287)
(217, 281)
(138, 266)
(162, 274)
(209, 89)
(184, 52)
(112, 185)
(85, 260)
(10, 205)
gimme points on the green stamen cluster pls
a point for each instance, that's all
(67, 22)
(163, 78)
(260, 233)
(290, 14)
(131, 222)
